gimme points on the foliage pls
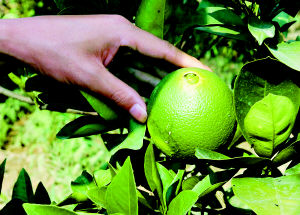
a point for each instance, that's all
(25, 8)
(245, 178)
(16, 9)
(11, 111)
(31, 142)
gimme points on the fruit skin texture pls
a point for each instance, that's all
(190, 108)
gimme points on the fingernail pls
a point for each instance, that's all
(138, 113)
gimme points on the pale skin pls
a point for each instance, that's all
(77, 49)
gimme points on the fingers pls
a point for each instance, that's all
(98, 79)
(152, 46)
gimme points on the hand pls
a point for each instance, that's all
(76, 50)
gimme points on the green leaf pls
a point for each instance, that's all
(210, 182)
(224, 31)
(41, 195)
(55, 95)
(2, 170)
(274, 126)
(121, 194)
(166, 178)
(102, 108)
(82, 182)
(222, 161)
(269, 195)
(183, 16)
(118, 214)
(177, 180)
(151, 173)
(17, 80)
(86, 126)
(34, 209)
(22, 188)
(221, 15)
(205, 187)
(261, 30)
(85, 213)
(151, 16)
(236, 202)
(74, 198)
(189, 183)
(293, 170)
(288, 53)
(81, 186)
(112, 140)
(144, 198)
(112, 170)
(14, 206)
(169, 182)
(237, 135)
(209, 154)
(287, 154)
(182, 203)
(283, 19)
(97, 195)
(252, 85)
(135, 137)
(102, 177)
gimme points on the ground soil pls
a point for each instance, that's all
(35, 162)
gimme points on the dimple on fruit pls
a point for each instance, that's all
(190, 108)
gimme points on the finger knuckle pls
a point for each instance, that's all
(170, 51)
(120, 19)
(121, 98)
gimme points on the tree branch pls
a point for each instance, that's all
(28, 100)
(69, 110)
(143, 76)
(19, 97)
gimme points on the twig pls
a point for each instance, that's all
(28, 100)
(69, 110)
(19, 97)
(145, 190)
(145, 77)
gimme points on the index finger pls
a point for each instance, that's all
(152, 46)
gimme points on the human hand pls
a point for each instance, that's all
(77, 49)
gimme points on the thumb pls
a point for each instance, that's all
(106, 84)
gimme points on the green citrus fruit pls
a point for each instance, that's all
(190, 108)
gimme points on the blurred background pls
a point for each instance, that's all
(28, 135)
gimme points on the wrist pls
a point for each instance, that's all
(14, 40)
